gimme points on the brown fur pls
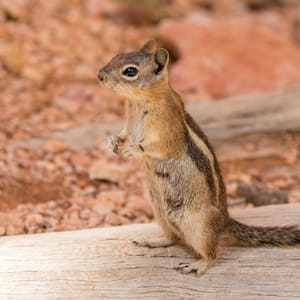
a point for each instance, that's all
(186, 186)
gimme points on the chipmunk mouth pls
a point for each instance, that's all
(103, 80)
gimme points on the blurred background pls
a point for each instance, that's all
(56, 172)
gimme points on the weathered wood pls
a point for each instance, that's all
(105, 264)
(272, 112)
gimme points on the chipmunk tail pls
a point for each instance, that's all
(264, 236)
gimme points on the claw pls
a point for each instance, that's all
(197, 267)
(114, 143)
(183, 264)
(142, 244)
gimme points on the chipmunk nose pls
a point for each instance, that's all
(100, 75)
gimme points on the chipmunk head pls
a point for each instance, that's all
(134, 73)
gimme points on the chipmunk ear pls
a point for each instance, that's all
(161, 58)
(149, 46)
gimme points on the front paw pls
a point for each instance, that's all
(131, 150)
(115, 142)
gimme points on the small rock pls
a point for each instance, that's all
(33, 221)
(64, 204)
(84, 214)
(113, 219)
(115, 197)
(32, 229)
(140, 205)
(68, 105)
(294, 196)
(83, 181)
(14, 62)
(55, 146)
(231, 188)
(13, 229)
(291, 156)
(88, 191)
(34, 218)
(95, 220)
(51, 204)
(45, 224)
(258, 194)
(103, 170)
(50, 222)
(80, 160)
(73, 215)
(2, 230)
(103, 207)
(215, 57)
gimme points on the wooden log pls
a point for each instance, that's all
(105, 264)
(223, 119)
(258, 113)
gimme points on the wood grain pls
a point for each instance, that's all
(105, 264)
(278, 111)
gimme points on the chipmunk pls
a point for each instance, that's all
(186, 187)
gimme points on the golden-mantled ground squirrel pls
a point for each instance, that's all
(185, 182)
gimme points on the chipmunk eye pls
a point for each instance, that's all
(130, 71)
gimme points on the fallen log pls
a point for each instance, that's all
(104, 264)
(278, 111)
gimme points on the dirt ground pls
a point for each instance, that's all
(50, 52)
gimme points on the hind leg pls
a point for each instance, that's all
(201, 232)
(206, 248)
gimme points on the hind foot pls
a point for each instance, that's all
(198, 267)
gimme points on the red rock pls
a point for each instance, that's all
(2, 230)
(103, 207)
(14, 61)
(32, 229)
(70, 224)
(84, 214)
(68, 105)
(64, 204)
(141, 219)
(95, 220)
(231, 188)
(83, 181)
(73, 215)
(50, 222)
(55, 146)
(51, 204)
(104, 170)
(13, 229)
(291, 156)
(88, 191)
(33, 221)
(113, 219)
(140, 205)
(125, 221)
(294, 196)
(115, 196)
(82, 160)
(230, 56)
